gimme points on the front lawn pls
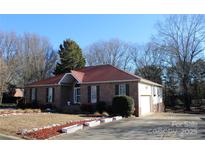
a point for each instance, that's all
(11, 124)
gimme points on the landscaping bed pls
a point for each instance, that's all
(53, 131)
(69, 127)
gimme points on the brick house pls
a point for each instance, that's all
(96, 83)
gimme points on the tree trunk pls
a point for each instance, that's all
(1, 97)
(187, 97)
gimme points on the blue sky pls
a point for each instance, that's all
(84, 29)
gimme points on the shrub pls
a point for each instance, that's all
(123, 105)
(109, 109)
(101, 106)
(33, 105)
(21, 105)
(87, 108)
(46, 106)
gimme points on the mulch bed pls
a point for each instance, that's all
(53, 131)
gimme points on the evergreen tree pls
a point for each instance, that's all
(71, 57)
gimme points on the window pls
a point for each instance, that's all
(33, 94)
(77, 95)
(160, 92)
(154, 91)
(93, 94)
(122, 89)
(50, 95)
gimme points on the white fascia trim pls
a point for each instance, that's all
(111, 81)
(65, 76)
(150, 82)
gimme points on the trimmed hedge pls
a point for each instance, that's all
(34, 105)
(123, 106)
(23, 105)
(87, 108)
(101, 106)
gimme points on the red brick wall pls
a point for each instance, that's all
(41, 95)
(63, 94)
(107, 92)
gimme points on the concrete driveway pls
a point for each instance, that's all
(155, 126)
(6, 137)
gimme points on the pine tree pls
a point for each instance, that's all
(71, 57)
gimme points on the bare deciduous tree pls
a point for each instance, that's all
(8, 60)
(24, 59)
(182, 38)
(148, 62)
(114, 52)
(37, 58)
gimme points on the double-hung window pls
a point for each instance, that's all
(33, 94)
(122, 89)
(93, 94)
(77, 95)
(50, 95)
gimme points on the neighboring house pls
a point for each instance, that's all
(19, 92)
(96, 83)
(14, 96)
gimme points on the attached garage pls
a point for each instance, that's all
(149, 97)
(145, 104)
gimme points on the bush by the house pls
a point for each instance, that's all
(101, 106)
(23, 105)
(46, 106)
(109, 109)
(123, 105)
(88, 108)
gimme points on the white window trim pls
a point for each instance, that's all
(122, 92)
(75, 95)
(93, 100)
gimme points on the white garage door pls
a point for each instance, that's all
(145, 104)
